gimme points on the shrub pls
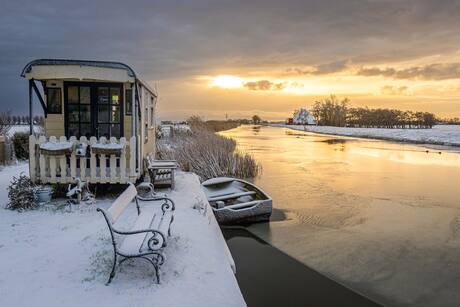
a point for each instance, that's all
(21, 145)
(21, 193)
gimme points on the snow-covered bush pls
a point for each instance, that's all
(207, 154)
(21, 145)
(21, 193)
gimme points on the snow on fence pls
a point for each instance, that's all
(57, 161)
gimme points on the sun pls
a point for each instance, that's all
(226, 81)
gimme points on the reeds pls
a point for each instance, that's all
(207, 154)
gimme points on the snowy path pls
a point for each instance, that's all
(58, 258)
(438, 135)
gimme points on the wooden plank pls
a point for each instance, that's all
(62, 163)
(84, 141)
(122, 201)
(103, 163)
(52, 160)
(113, 163)
(63, 168)
(232, 196)
(132, 158)
(53, 169)
(103, 168)
(42, 162)
(73, 160)
(92, 161)
(123, 178)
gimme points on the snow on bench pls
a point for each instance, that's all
(149, 234)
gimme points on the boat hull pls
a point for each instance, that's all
(221, 189)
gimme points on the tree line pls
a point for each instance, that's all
(7, 118)
(334, 112)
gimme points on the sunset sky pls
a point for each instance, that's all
(241, 58)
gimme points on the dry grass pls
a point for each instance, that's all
(207, 154)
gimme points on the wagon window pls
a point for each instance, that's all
(53, 100)
(79, 111)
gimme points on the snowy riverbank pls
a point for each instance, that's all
(57, 258)
(438, 135)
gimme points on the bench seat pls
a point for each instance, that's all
(138, 243)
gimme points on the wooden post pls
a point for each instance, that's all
(52, 163)
(62, 163)
(103, 162)
(113, 163)
(92, 161)
(42, 162)
(31, 125)
(73, 159)
(123, 161)
(84, 141)
(132, 158)
(32, 161)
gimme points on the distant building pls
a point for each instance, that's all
(303, 117)
(289, 121)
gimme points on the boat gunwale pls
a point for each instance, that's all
(236, 179)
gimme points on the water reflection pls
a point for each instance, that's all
(373, 214)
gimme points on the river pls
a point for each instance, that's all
(382, 218)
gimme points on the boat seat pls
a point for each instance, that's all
(231, 196)
(243, 205)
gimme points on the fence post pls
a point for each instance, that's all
(123, 161)
(42, 161)
(62, 163)
(103, 162)
(73, 159)
(92, 161)
(113, 163)
(132, 158)
(83, 140)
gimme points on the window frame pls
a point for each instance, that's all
(93, 106)
(152, 112)
(48, 111)
(128, 105)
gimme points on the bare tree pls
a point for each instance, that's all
(5, 122)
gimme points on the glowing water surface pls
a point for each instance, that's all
(380, 217)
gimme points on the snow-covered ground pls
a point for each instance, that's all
(55, 257)
(438, 135)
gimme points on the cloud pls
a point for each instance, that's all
(327, 68)
(170, 40)
(442, 71)
(394, 90)
(264, 85)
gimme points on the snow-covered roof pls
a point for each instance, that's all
(81, 70)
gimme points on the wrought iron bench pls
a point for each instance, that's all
(149, 234)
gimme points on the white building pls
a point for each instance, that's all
(303, 117)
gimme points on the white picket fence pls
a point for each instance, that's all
(97, 168)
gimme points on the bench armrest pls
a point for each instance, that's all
(168, 205)
(157, 241)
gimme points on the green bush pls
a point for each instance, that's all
(21, 145)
